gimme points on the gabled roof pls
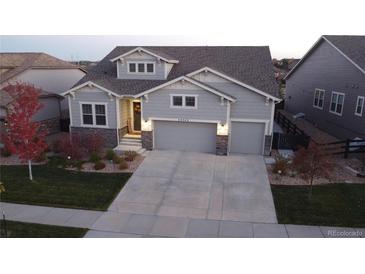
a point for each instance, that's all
(352, 47)
(11, 64)
(194, 82)
(156, 53)
(249, 65)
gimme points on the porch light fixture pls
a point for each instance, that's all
(267, 101)
(222, 128)
(146, 125)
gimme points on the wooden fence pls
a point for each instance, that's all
(345, 147)
(294, 138)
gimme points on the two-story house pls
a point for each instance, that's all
(328, 86)
(204, 99)
(50, 74)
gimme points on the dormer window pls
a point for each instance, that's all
(141, 67)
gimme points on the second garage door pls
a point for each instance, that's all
(198, 137)
(247, 137)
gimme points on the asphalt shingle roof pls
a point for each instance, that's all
(11, 64)
(250, 65)
(352, 46)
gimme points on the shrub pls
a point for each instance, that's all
(78, 164)
(281, 165)
(94, 157)
(56, 146)
(130, 155)
(117, 159)
(41, 157)
(123, 164)
(71, 147)
(93, 142)
(110, 154)
(99, 165)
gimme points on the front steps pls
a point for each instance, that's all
(131, 143)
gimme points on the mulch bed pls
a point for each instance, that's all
(111, 167)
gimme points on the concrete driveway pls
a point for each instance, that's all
(199, 186)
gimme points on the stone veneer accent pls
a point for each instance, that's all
(222, 145)
(52, 125)
(109, 134)
(123, 131)
(147, 139)
(267, 145)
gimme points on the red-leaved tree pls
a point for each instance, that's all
(24, 137)
(312, 163)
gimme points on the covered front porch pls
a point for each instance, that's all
(129, 125)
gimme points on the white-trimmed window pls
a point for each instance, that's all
(359, 105)
(337, 102)
(318, 101)
(94, 114)
(183, 101)
(141, 67)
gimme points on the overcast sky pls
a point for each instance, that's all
(289, 27)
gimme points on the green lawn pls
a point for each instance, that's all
(58, 187)
(29, 230)
(332, 205)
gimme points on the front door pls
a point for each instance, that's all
(137, 116)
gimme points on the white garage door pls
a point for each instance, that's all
(198, 137)
(247, 137)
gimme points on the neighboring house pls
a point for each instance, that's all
(328, 85)
(52, 75)
(204, 99)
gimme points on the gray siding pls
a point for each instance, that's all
(136, 57)
(87, 94)
(209, 104)
(49, 110)
(249, 105)
(327, 69)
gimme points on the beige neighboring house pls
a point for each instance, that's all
(50, 74)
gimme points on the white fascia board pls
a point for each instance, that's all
(146, 51)
(310, 51)
(208, 69)
(344, 55)
(192, 81)
(92, 84)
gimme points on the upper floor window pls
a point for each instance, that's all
(184, 101)
(93, 114)
(359, 105)
(337, 102)
(318, 98)
(141, 67)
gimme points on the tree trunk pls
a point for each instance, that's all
(311, 188)
(30, 170)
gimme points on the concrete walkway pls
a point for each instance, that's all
(126, 225)
(50, 215)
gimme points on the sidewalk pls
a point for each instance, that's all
(125, 225)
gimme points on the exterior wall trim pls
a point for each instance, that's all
(94, 115)
(192, 81)
(146, 51)
(343, 104)
(184, 101)
(234, 81)
(311, 50)
(184, 120)
(362, 106)
(90, 83)
(314, 97)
